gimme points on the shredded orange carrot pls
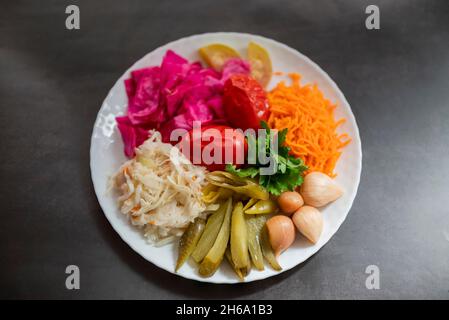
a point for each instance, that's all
(309, 117)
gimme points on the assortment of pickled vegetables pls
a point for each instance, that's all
(248, 217)
(250, 226)
(236, 230)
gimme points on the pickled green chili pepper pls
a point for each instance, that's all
(213, 193)
(245, 186)
(262, 207)
(188, 241)
(249, 204)
(227, 177)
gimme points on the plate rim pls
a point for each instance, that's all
(326, 76)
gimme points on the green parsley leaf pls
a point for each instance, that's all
(289, 170)
(243, 173)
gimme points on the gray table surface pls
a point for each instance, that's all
(53, 81)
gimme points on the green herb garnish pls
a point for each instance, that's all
(289, 170)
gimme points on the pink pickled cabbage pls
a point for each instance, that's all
(235, 66)
(173, 96)
(132, 136)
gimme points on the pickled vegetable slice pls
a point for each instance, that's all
(260, 62)
(188, 241)
(267, 250)
(239, 238)
(215, 255)
(241, 273)
(262, 207)
(215, 55)
(254, 225)
(210, 233)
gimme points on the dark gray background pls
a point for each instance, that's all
(53, 81)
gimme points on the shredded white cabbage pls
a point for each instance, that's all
(160, 190)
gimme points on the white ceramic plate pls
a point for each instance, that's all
(106, 154)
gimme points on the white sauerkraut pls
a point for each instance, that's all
(160, 190)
